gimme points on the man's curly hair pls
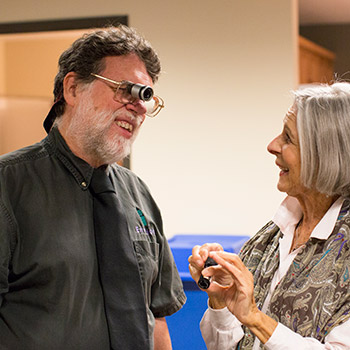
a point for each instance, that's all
(86, 55)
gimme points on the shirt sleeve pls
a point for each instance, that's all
(7, 243)
(168, 295)
(284, 338)
(220, 329)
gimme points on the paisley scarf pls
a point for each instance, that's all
(314, 295)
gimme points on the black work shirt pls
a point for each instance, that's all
(50, 294)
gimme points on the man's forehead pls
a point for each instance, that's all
(127, 67)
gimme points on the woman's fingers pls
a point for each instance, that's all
(201, 253)
(218, 275)
(233, 265)
(228, 259)
(198, 258)
(195, 259)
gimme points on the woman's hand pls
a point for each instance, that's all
(239, 295)
(199, 256)
(196, 266)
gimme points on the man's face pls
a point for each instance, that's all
(104, 129)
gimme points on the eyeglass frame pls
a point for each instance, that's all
(157, 98)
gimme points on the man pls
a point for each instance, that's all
(63, 281)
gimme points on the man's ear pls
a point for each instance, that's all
(70, 88)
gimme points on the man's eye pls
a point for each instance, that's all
(123, 91)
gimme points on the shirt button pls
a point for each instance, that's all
(83, 184)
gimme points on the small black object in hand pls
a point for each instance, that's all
(204, 282)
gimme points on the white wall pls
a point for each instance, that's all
(228, 68)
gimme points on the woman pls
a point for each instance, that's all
(289, 288)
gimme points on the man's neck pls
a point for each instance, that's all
(74, 146)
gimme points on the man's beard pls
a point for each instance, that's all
(90, 130)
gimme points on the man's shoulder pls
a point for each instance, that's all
(23, 155)
(128, 182)
(127, 176)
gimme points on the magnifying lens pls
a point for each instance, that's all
(139, 91)
(204, 282)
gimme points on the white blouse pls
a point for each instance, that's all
(222, 331)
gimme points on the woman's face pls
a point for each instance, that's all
(287, 151)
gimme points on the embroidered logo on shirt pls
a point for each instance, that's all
(144, 229)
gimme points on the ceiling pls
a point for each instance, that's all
(324, 12)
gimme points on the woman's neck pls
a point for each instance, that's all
(313, 207)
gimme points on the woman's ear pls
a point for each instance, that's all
(70, 88)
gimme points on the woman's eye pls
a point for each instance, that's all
(287, 138)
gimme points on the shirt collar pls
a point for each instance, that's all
(289, 214)
(81, 170)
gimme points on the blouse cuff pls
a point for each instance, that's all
(222, 319)
(284, 338)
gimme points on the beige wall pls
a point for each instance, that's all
(2, 68)
(31, 61)
(28, 63)
(20, 121)
(228, 68)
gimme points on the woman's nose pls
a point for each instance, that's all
(274, 146)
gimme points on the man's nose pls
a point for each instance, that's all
(137, 106)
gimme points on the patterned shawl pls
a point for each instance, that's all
(314, 295)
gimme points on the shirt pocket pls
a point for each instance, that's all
(147, 254)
